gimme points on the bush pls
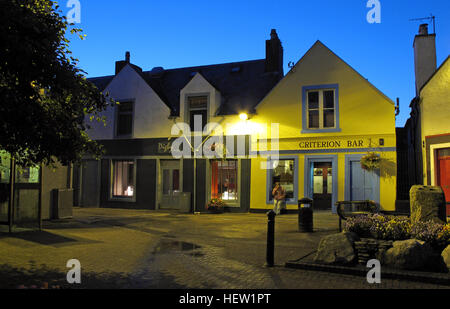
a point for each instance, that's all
(437, 235)
(395, 228)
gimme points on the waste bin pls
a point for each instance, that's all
(305, 215)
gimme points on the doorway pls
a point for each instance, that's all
(360, 185)
(170, 184)
(322, 185)
(443, 173)
(321, 175)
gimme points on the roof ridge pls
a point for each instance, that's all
(209, 65)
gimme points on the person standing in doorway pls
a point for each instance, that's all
(279, 195)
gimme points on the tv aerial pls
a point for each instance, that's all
(432, 19)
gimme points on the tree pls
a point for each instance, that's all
(44, 96)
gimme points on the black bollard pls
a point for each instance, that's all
(270, 238)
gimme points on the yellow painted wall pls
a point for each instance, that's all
(364, 114)
(435, 107)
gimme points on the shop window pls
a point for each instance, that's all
(320, 109)
(285, 173)
(123, 179)
(124, 124)
(224, 180)
(197, 106)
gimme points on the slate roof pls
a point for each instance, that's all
(242, 84)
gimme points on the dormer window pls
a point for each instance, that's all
(197, 107)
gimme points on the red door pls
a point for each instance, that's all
(443, 173)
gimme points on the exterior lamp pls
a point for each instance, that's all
(243, 116)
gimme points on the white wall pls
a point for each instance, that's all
(150, 112)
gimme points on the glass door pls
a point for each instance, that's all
(170, 184)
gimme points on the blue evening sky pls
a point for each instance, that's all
(175, 33)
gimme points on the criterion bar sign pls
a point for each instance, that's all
(353, 143)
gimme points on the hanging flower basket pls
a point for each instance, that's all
(370, 162)
(215, 205)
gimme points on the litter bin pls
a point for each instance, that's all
(305, 215)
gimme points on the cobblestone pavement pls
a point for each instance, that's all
(169, 250)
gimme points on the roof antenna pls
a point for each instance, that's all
(432, 18)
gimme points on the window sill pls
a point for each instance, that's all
(304, 131)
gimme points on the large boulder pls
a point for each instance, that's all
(427, 203)
(412, 254)
(446, 256)
(337, 249)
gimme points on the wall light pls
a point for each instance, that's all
(243, 116)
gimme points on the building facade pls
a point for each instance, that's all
(428, 128)
(240, 128)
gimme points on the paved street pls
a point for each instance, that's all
(145, 249)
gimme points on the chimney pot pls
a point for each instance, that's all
(423, 29)
(127, 57)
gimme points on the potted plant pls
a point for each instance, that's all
(215, 205)
(370, 161)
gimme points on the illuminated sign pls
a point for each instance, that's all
(353, 143)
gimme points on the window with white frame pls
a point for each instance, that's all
(123, 179)
(320, 108)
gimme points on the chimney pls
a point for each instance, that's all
(274, 53)
(424, 56)
(121, 63)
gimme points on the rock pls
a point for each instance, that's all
(427, 203)
(446, 256)
(411, 254)
(337, 249)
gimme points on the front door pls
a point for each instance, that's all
(322, 185)
(170, 184)
(363, 184)
(443, 173)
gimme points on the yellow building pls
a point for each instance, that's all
(315, 123)
(328, 117)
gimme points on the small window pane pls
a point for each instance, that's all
(328, 99)
(445, 152)
(198, 102)
(313, 100)
(313, 119)
(124, 124)
(126, 107)
(123, 179)
(204, 117)
(328, 118)
(284, 174)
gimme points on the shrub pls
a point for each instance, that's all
(396, 228)
(391, 229)
(438, 235)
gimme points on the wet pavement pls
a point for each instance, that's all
(145, 249)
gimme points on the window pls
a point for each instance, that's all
(320, 108)
(124, 126)
(123, 179)
(198, 106)
(224, 177)
(284, 172)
